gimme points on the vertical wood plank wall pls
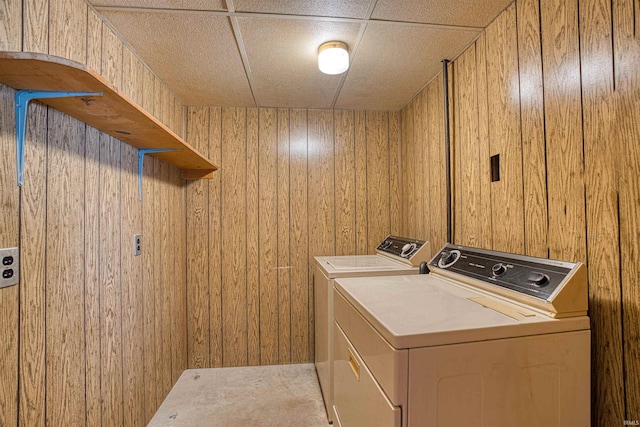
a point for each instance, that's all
(292, 184)
(95, 336)
(552, 86)
(92, 335)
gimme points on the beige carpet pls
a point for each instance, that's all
(264, 396)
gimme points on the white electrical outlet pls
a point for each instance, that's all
(137, 244)
(9, 267)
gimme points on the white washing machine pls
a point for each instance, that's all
(486, 339)
(395, 256)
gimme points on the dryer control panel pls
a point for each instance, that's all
(524, 278)
(409, 251)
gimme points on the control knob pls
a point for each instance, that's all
(538, 279)
(447, 258)
(408, 249)
(499, 269)
(385, 244)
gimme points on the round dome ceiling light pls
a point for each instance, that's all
(333, 57)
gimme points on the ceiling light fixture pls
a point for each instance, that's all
(333, 57)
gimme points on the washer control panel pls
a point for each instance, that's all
(410, 251)
(536, 277)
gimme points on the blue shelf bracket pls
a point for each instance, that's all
(22, 98)
(141, 154)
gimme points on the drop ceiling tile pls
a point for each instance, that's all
(334, 8)
(461, 12)
(394, 62)
(194, 54)
(283, 59)
(218, 5)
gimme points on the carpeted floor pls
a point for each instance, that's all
(262, 396)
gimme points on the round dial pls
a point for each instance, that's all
(385, 244)
(538, 279)
(499, 269)
(408, 249)
(448, 258)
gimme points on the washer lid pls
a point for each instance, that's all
(362, 265)
(426, 310)
(360, 262)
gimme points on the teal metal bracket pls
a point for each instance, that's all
(141, 154)
(22, 98)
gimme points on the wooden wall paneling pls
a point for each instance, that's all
(425, 165)
(110, 255)
(321, 184)
(408, 169)
(177, 115)
(176, 237)
(151, 400)
(35, 25)
(268, 257)
(164, 279)
(435, 143)
(504, 131)
(283, 259)
(132, 75)
(65, 384)
(361, 182)
(418, 144)
(627, 133)
(165, 102)
(532, 116)
(629, 187)
(11, 25)
(234, 291)
(111, 65)
(110, 282)
(132, 292)
(601, 154)
(345, 181)
(92, 283)
(253, 233)
(148, 90)
(215, 236)
(301, 291)
(176, 289)
(132, 297)
(160, 354)
(93, 351)
(158, 105)
(154, 218)
(377, 178)
(68, 29)
(198, 246)
(177, 286)
(33, 206)
(456, 156)
(9, 229)
(321, 181)
(562, 104)
(485, 231)
(442, 149)
(165, 270)
(395, 182)
(94, 41)
(181, 271)
(468, 188)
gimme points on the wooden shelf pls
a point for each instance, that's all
(113, 113)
